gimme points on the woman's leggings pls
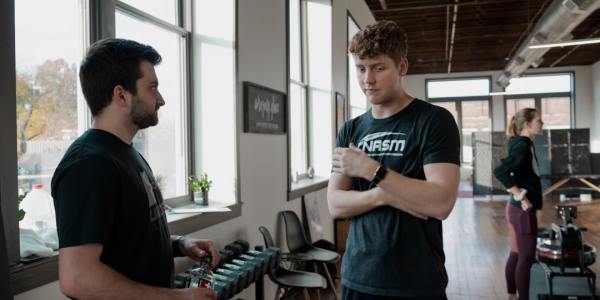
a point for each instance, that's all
(523, 234)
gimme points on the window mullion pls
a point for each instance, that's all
(8, 123)
(306, 78)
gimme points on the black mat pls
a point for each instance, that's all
(576, 287)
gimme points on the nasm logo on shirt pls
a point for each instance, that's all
(383, 144)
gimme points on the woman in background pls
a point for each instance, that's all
(518, 172)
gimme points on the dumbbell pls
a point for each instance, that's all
(239, 275)
(241, 251)
(222, 290)
(265, 259)
(253, 267)
(230, 285)
(270, 255)
(181, 280)
(226, 256)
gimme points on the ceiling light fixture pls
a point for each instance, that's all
(564, 44)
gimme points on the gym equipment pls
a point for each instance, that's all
(564, 248)
(238, 268)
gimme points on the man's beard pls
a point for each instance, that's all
(142, 117)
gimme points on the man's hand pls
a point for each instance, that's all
(196, 250)
(353, 162)
(197, 294)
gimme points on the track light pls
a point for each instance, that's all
(564, 44)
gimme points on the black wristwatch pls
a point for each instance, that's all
(379, 174)
(175, 246)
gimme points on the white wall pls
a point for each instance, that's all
(595, 147)
(584, 94)
(263, 158)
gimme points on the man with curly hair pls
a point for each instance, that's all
(395, 173)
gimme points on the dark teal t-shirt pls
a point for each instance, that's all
(390, 252)
(105, 193)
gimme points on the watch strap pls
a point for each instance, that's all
(379, 174)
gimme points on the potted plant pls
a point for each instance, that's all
(200, 185)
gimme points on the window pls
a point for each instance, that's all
(164, 146)
(165, 10)
(358, 101)
(215, 97)
(51, 112)
(475, 116)
(550, 94)
(538, 84)
(556, 112)
(310, 88)
(298, 93)
(458, 88)
(468, 100)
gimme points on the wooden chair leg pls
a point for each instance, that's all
(305, 292)
(318, 290)
(330, 280)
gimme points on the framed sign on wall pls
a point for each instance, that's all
(265, 109)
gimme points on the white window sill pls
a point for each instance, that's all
(304, 186)
(28, 276)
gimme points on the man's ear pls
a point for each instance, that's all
(403, 66)
(120, 96)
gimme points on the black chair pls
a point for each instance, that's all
(286, 279)
(299, 246)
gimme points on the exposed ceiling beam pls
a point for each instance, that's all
(383, 4)
(416, 7)
(452, 37)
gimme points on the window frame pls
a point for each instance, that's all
(185, 34)
(537, 97)
(304, 184)
(349, 65)
(101, 19)
(457, 102)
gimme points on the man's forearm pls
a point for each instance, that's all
(347, 204)
(420, 196)
(102, 282)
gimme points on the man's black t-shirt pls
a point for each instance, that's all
(104, 192)
(390, 252)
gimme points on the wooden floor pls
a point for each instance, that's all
(476, 246)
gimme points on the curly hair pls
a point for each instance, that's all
(383, 37)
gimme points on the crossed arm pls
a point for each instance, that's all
(433, 197)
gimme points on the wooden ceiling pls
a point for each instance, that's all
(487, 33)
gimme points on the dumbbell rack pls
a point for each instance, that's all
(238, 268)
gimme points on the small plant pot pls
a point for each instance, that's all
(201, 198)
(205, 198)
